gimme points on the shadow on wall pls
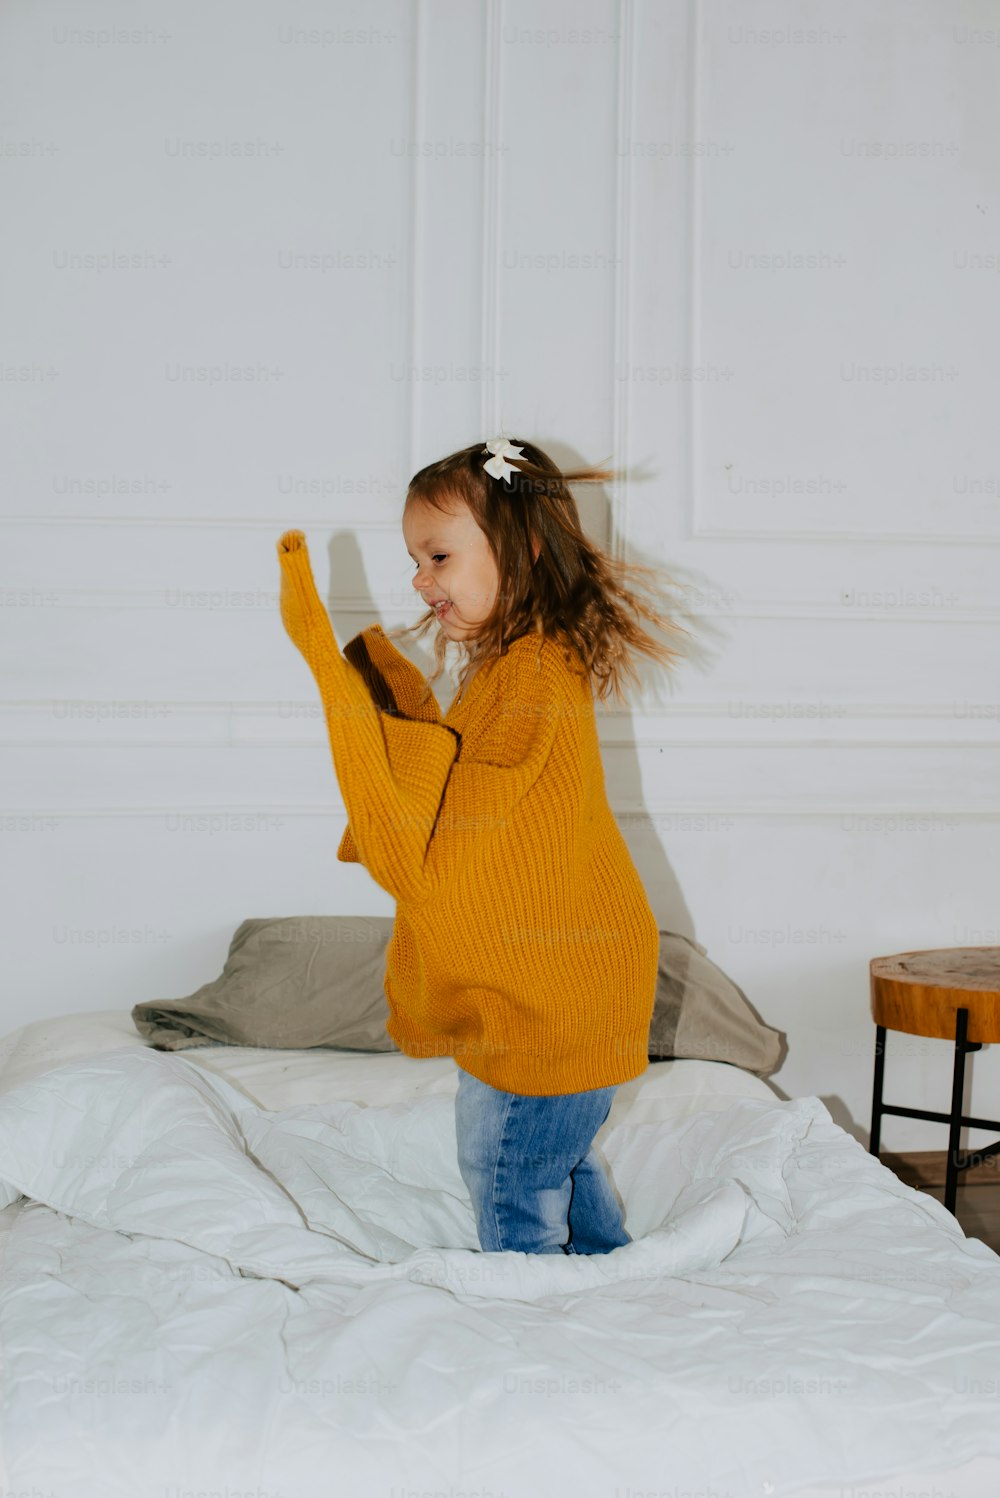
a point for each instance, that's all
(839, 1112)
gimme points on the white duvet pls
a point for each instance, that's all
(204, 1296)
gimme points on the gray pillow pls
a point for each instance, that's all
(701, 1015)
(297, 982)
(289, 983)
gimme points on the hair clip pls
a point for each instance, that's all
(498, 466)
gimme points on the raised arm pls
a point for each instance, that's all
(391, 770)
(395, 684)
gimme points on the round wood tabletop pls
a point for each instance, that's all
(919, 992)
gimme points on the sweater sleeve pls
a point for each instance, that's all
(394, 684)
(506, 749)
(392, 771)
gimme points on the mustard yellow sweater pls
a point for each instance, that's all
(523, 944)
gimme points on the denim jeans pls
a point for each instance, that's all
(536, 1183)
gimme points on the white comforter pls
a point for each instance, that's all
(202, 1295)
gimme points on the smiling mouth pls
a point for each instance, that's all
(442, 608)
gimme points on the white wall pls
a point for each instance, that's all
(558, 208)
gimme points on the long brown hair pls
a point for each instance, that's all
(572, 592)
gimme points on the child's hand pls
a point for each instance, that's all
(302, 612)
(291, 541)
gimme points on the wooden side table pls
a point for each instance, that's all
(945, 993)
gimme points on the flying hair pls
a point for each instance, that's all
(572, 592)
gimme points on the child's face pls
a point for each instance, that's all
(453, 563)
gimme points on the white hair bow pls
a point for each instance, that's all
(498, 466)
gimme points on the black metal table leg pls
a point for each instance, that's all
(957, 1107)
(876, 1129)
(957, 1119)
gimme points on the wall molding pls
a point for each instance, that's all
(416, 230)
(619, 491)
(629, 813)
(490, 415)
(62, 597)
(736, 744)
(893, 538)
(267, 706)
(244, 522)
(695, 193)
(694, 530)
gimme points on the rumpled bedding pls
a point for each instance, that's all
(202, 1294)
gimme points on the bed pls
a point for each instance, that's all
(238, 1270)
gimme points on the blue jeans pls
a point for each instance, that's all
(536, 1183)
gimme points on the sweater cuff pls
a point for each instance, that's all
(348, 850)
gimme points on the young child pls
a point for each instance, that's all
(523, 945)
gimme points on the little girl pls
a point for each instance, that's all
(523, 944)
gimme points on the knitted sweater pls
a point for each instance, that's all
(523, 944)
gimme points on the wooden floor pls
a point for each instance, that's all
(977, 1206)
(978, 1212)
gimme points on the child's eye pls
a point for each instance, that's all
(442, 555)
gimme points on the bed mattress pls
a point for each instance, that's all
(256, 1271)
